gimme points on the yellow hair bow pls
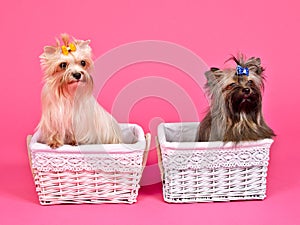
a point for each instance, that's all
(66, 49)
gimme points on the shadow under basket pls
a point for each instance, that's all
(194, 171)
(108, 173)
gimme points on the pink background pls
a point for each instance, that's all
(211, 29)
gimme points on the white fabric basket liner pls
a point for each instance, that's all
(180, 149)
(124, 157)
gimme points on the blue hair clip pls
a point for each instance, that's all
(240, 71)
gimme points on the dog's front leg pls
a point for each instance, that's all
(55, 141)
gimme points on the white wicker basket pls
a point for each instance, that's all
(210, 171)
(108, 173)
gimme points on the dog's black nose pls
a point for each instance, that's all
(77, 76)
(246, 90)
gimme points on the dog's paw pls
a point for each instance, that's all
(73, 143)
(54, 144)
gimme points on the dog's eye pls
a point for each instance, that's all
(83, 63)
(230, 86)
(63, 65)
(250, 82)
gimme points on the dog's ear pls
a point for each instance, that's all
(49, 50)
(213, 74)
(83, 44)
(84, 47)
(213, 69)
(254, 64)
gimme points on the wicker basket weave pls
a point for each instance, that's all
(108, 173)
(210, 171)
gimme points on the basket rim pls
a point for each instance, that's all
(176, 145)
(121, 148)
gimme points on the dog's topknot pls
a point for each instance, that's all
(65, 38)
(251, 63)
